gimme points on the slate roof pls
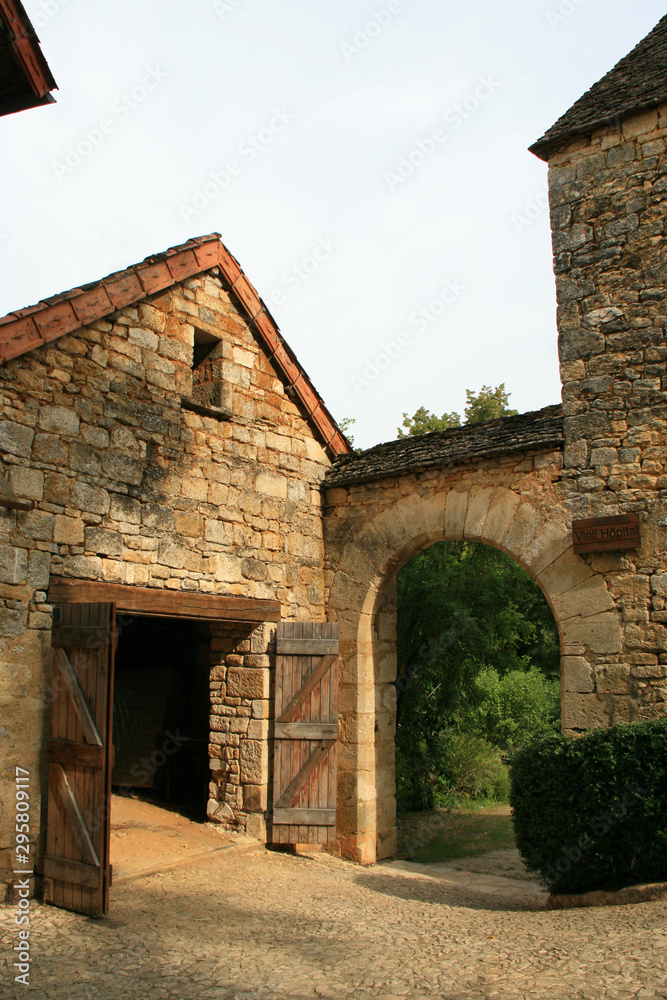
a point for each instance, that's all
(25, 78)
(637, 83)
(537, 430)
(36, 325)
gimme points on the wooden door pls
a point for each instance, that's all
(306, 730)
(77, 872)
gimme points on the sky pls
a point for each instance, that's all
(366, 163)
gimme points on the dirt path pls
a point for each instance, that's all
(146, 837)
(271, 926)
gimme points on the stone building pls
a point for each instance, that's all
(163, 451)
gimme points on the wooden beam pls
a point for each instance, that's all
(306, 647)
(75, 754)
(305, 817)
(78, 823)
(306, 730)
(75, 872)
(289, 795)
(78, 697)
(169, 603)
(297, 701)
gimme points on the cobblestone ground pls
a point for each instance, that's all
(270, 926)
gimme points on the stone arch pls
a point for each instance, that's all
(362, 599)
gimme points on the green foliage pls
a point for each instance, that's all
(511, 711)
(487, 404)
(345, 425)
(469, 618)
(591, 812)
(423, 422)
(473, 768)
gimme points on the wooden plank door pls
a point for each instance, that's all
(77, 872)
(306, 730)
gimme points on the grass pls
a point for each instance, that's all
(445, 834)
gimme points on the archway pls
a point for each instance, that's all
(368, 541)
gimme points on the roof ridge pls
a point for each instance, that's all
(39, 324)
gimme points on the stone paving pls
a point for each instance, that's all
(274, 926)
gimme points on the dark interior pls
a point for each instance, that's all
(161, 712)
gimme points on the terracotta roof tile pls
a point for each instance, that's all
(637, 83)
(538, 430)
(33, 326)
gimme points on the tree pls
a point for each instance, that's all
(471, 625)
(424, 422)
(487, 404)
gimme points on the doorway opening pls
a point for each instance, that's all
(161, 712)
(478, 674)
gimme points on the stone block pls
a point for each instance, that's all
(260, 709)
(36, 524)
(270, 484)
(27, 484)
(256, 827)
(563, 574)
(478, 508)
(16, 439)
(584, 711)
(522, 530)
(612, 678)
(90, 498)
(588, 598)
(248, 682)
(103, 542)
(67, 530)
(13, 564)
(456, 510)
(39, 568)
(220, 532)
(258, 729)
(11, 622)
(500, 515)
(124, 508)
(577, 675)
(83, 567)
(219, 812)
(171, 554)
(58, 420)
(254, 762)
(227, 569)
(599, 633)
(121, 469)
(255, 798)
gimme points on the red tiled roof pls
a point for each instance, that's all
(25, 329)
(25, 78)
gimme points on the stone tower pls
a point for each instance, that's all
(607, 184)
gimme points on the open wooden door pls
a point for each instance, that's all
(77, 872)
(306, 730)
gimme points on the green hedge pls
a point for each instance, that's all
(591, 812)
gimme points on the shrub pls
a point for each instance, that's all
(591, 812)
(513, 709)
(472, 768)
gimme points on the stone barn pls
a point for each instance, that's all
(194, 565)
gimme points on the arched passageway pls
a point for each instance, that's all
(372, 529)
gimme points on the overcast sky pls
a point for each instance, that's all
(366, 163)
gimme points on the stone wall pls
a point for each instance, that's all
(132, 486)
(373, 528)
(607, 196)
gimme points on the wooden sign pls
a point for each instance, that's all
(603, 534)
